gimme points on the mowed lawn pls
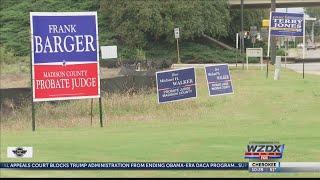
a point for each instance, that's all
(204, 129)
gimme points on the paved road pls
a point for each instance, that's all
(309, 68)
(297, 53)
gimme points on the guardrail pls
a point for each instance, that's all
(122, 84)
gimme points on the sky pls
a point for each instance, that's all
(293, 10)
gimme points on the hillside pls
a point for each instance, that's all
(140, 29)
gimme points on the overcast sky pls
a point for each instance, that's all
(292, 10)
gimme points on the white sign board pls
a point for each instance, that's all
(176, 33)
(254, 52)
(109, 52)
(237, 40)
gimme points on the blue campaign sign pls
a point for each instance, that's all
(65, 55)
(219, 79)
(174, 85)
(286, 24)
(60, 37)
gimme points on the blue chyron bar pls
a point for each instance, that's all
(125, 165)
(299, 167)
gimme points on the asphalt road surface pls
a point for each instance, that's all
(309, 68)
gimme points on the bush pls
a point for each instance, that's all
(110, 63)
(7, 57)
(281, 52)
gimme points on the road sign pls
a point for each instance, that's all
(219, 80)
(254, 52)
(265, 23)
(175, 85)
(253, 31)
(109, 52)
(264, 33)
(65, 55)
(176, 33)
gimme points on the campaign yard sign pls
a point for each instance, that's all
(175, 85)
(218, 79)
(286, 24)
(65, 55)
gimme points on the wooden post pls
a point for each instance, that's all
(178, 54)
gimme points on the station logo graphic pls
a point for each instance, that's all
(264, 150)
(19, 152)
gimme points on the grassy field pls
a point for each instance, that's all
(204, 129)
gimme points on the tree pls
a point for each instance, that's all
(136, 23)
(251, 17)
(315, 13)
(14, 19)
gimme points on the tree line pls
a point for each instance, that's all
(133, 25)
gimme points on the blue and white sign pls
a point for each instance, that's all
(286, 24)
(219, 79)
(65, 55)
(174, 85)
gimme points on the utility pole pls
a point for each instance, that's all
(273, 38)
(241, 35)
(312, 33)
(177, 36)
(286, 47)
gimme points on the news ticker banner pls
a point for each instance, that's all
(65, 55)
(286, 24)
(254, 167)
(175, 85)
(219, 80)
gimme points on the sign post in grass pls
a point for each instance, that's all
(65, 57)
(218, 79)
(176, 85)
(287, 24)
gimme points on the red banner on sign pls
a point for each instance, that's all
(73, 80)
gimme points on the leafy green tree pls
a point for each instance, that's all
(251, 17)
(135, 23)
(14, 19)
(315, 13)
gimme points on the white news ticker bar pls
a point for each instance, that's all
(300, 167)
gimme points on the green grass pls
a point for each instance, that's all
(204, 129)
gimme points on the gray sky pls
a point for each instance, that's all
(293, 10)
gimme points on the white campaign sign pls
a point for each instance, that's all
(109, 52)
(254, 52)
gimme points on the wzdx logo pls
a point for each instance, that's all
(19, 152)
(264, 151)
